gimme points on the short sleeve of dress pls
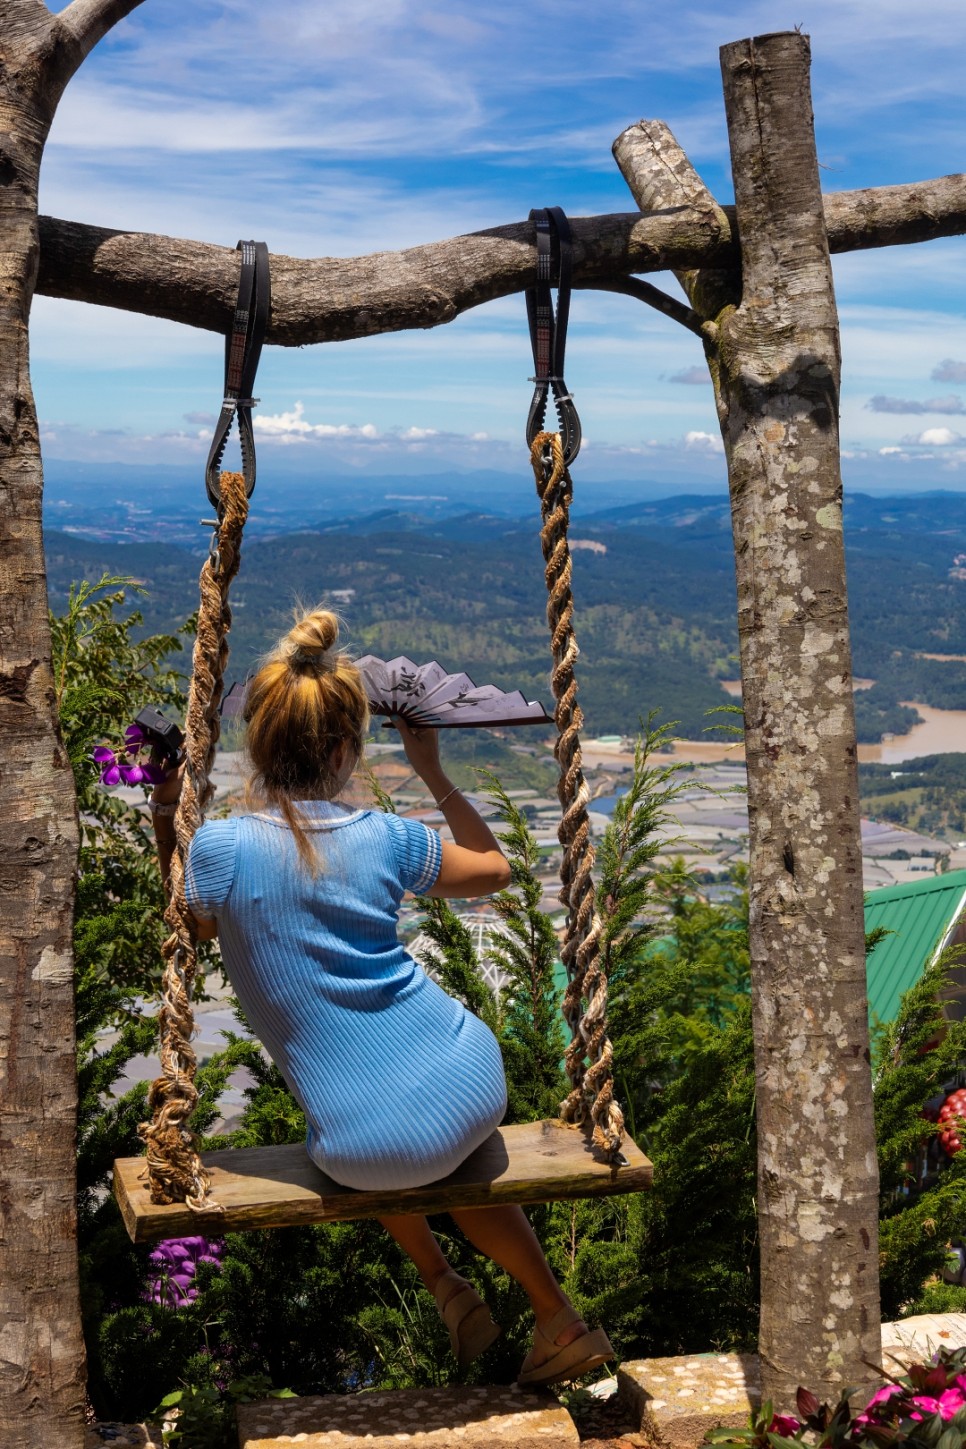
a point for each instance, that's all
(418, 851)
(210, 869)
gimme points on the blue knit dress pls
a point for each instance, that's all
(398, 1081)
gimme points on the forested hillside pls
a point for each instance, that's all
(653, 584)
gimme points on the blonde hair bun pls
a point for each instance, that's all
(307, 715)
(312, 641)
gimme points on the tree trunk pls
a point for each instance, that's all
(42, 1356)
(42, 1362)
(771, 337)
(779, 398)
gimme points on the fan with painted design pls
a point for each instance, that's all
(425, 696)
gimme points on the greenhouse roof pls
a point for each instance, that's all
(920, 916)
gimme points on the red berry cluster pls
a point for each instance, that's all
(952, 1113)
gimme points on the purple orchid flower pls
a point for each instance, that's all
(174, 1264)
(115, 771)
(109, 768)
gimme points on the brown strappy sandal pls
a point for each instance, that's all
(570, 1361)
(471, 1326)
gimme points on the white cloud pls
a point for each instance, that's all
(292, 426)
(883, 404)
(78, 334)
(938, 438)
(703, 442)
(695, 376)
(117, 118)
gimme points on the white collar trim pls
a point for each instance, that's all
(316, 815)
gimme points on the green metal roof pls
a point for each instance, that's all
(920, 916)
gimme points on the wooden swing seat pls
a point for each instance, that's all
(280, 1187)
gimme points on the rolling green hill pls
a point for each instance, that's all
(654, 595)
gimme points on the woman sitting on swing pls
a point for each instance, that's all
(398, 1081)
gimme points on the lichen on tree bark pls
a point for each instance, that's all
(771, 336)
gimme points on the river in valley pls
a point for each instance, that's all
(942, 732)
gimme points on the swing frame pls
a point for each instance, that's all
(583, 1153)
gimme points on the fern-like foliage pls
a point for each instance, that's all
(455, 963)
(531, 1029)
(104, 673)
(627, 854)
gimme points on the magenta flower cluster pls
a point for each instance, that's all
(929, 1390)
(122, 766)
(925, 1408)
(174, 1264)
(946, 1404)
(887, 1403)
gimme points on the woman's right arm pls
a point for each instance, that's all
(473, 863)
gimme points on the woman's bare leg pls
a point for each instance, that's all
(414, 1236)
(501, 1233)
(505, 1235)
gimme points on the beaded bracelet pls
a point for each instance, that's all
(156, 808)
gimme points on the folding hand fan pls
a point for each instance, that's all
(233, 703)
(424, 695)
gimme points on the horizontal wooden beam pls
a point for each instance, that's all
(279, 1187)
(329, 299)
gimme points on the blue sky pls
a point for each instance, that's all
(362, 125)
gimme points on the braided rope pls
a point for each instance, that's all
(174, 1169)
(592, 1089)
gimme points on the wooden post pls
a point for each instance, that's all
(42, 1355)
(771, 337)
(42, 1360)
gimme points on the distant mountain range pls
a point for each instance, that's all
(116, 503)
(653, 583)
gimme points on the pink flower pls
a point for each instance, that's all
(106, 761)
(784, 1424)
(924, 1401)
(880, 1397)
(951, 1402)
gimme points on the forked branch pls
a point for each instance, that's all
(88, 21)
(653, 296)
(81, 25)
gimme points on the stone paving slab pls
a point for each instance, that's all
(421, 1418)
(916, 1339)
(677, 1400)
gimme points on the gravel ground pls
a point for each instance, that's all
(603, 1422)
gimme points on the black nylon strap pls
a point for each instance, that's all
(548, 332)
(243, 348)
